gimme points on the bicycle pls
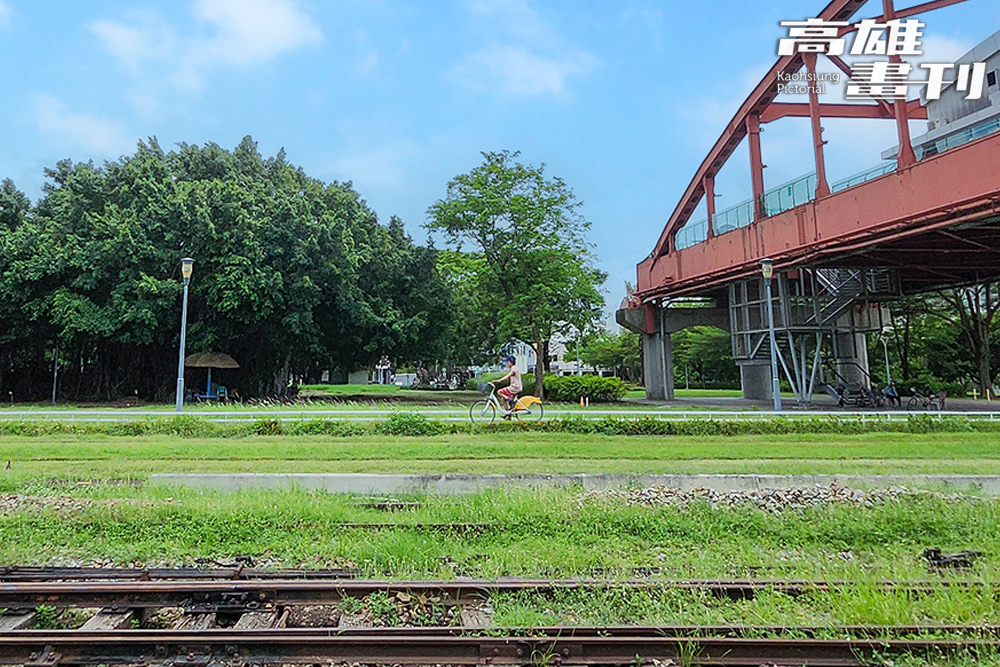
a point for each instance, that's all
(485, 411)
(922, 402)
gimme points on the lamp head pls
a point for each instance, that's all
(187, 267)
(767, 267)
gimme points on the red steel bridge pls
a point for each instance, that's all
(928, 220)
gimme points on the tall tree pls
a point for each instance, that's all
(531, 237)
(973, 310)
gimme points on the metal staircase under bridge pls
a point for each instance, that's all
(820, 315)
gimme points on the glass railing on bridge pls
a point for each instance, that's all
(868, 175)
(959, 138)
(776, 200)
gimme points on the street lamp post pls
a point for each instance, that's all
(187, 266)
(885, 346)
(767, 269)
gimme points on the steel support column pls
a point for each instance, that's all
(709, 183)
(822, 185)
(906, 155)
(756, 166)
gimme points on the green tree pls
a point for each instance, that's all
(973, 312)
(949, 338)
(471, 339)
(707, 352)
(531, 237)
(618, 352)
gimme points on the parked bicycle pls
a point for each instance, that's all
(921, 402)
(526, 408)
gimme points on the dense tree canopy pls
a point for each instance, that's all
(705, 354)
(291, 275)
(617, 352)
(945, 340)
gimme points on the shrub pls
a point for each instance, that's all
(334, 427)
(409, 423)
(592, 387)
(267, 427)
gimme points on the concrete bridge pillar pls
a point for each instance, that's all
(658, 366)
(656, 324)
(852, 358)
(755, 378)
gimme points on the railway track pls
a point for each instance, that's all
(239, 615)
(231, 592)
(552, 647)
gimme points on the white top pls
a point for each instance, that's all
(515, 379)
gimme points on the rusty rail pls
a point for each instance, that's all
(290, 646)
(15, 573)
(251, 594)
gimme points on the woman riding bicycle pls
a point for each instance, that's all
(510, 392)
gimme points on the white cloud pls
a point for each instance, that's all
(241, 33)
(133, 45)
(517, 70)
(369, 60)
(4, 14)
(97, 135)
(517, 16)
(524, 54)
(254, 31)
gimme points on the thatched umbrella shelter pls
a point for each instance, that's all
(210, 360)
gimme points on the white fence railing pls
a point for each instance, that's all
(463, 415)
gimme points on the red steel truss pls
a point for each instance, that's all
(937, 220)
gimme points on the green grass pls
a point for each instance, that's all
(885, 453)
(547, 534)
(352, 389)
(708, 393)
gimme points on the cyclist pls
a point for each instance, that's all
(510, 392)
(892, 394)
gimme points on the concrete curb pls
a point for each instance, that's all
(382, 485)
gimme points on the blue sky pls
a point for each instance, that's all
(621, 99)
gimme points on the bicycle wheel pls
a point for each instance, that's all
(483, 412)
(534, 414)
(912, 404)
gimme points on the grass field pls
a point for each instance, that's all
(885, 453)
(542, 534)
(83, 499)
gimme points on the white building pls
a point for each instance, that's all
(954, 120)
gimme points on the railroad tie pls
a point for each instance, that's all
(254, 620)
(16, 620)
(109, 618)
(196, 621)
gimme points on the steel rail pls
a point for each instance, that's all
(216, 647)
(224, 572)
(248, 595)
(881, 632)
